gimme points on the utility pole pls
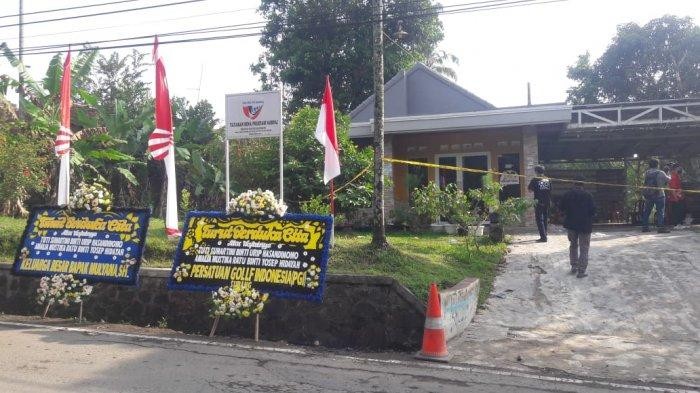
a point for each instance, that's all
(379, 231)
(20, 90)
(529, 101)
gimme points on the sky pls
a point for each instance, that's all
(499, 51)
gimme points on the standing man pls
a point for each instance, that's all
(541, 186)
(654, 182)
(675, 196)
(578, 208)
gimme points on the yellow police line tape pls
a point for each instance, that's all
(474, 170)
(362, 172)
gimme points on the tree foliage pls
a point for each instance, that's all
(255, 164)
(306, 39)
(111, 117)
(23, 167)
(660, 60)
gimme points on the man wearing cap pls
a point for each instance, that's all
(655, 180)
(578, 208)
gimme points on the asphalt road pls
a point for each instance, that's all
(49, 359)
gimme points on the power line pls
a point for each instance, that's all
(68, 8)
(246, 9)
(218, 29)
(131, 24)
(465, 8)
(102, 13)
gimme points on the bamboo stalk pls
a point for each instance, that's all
(46, 310)
(257, 327)
(214, 326)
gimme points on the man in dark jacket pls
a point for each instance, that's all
(578, 208)
(655, 180)
(541, 187)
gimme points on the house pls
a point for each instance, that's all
(429, 118)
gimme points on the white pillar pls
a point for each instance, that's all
(530, 159)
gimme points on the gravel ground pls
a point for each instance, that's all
(635, 317)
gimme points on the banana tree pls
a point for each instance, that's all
(96, 155)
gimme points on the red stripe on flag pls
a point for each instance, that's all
(64, 134)
(162, 137)
(330, 114)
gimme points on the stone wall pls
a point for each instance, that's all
(363, 312)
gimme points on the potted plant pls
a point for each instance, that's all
(498, 213)
(459, 209)
(430, 201)
(487, 200)
(508, 212)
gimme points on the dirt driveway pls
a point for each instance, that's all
(635, 317)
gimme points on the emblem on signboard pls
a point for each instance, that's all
(252, 111)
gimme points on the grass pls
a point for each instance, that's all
(415, 260)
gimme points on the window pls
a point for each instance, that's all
(447, 176)
(466, 180)
(417, 177)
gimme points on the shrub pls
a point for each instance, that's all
(460, 208)
(408, 219)
(315, 205)
(429, 201)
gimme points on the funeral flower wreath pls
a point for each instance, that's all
(94, 197)
(236, 302)
(62, 289)
(257, 203)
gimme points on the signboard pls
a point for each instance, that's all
(509, 178)
(285, 257)
(99, 247)
(459, 306)
(253, 115)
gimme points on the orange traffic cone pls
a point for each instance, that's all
(434, 343)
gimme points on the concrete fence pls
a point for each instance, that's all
(363, 312)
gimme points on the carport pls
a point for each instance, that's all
(605, 142)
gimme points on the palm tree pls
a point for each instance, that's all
(438, 60)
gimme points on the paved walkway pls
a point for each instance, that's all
(635, 317)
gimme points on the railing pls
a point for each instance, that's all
(616, 115)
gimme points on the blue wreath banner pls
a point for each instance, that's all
(285, 256)
(98, 247)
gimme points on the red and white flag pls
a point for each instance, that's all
(160, 143)
(325, 134)
(63, 137)
(161, 139)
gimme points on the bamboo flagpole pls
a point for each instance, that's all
(332, 199)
